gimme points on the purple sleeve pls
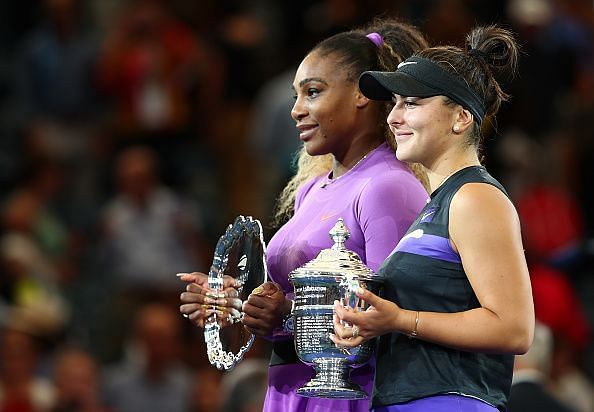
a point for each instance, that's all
(387, 207)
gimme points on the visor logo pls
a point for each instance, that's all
(405, 64)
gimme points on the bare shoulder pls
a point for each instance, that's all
(481, 200)
(481, 214)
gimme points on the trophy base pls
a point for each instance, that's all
(332, 381)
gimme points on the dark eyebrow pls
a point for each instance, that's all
(312, 79)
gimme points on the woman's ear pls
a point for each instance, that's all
(360, 100)
(464, 120)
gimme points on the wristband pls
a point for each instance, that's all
(289, 320)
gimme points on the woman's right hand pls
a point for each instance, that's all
(199, 302)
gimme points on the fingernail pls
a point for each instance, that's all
(179, 275)
(360, 290)
(208, 300)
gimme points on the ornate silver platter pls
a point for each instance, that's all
(239, 253)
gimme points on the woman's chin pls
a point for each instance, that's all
(314, 150)
(403, 156)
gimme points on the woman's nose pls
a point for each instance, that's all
(298, 111)
(395, 116)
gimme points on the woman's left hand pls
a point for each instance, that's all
(381, 317)
(265, 308)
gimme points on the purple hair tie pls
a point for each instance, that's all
(376, 38)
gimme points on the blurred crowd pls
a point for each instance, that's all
(133, 131)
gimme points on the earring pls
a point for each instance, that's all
(456, 129)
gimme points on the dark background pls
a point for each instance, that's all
(185, 104)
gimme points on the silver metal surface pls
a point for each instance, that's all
(239, 253)
(335, 274)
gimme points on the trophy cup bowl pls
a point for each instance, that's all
(335, 274)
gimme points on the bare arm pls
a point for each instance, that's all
(485, 230)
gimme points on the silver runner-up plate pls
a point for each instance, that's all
(240, 253)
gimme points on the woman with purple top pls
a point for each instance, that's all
(347, 169)
(457, 301)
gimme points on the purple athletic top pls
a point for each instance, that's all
(378, 199)
(440, 403)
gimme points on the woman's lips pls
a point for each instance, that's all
(402, 136)
(306, 131)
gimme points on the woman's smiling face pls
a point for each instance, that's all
(422, 127)
(325, 109)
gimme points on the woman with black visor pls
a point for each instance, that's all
(457, 304)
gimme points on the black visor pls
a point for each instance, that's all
(419, 77)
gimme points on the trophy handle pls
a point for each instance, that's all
(240, 253)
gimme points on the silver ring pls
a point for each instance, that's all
(355, 331)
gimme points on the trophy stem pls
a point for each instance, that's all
(332, 381)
